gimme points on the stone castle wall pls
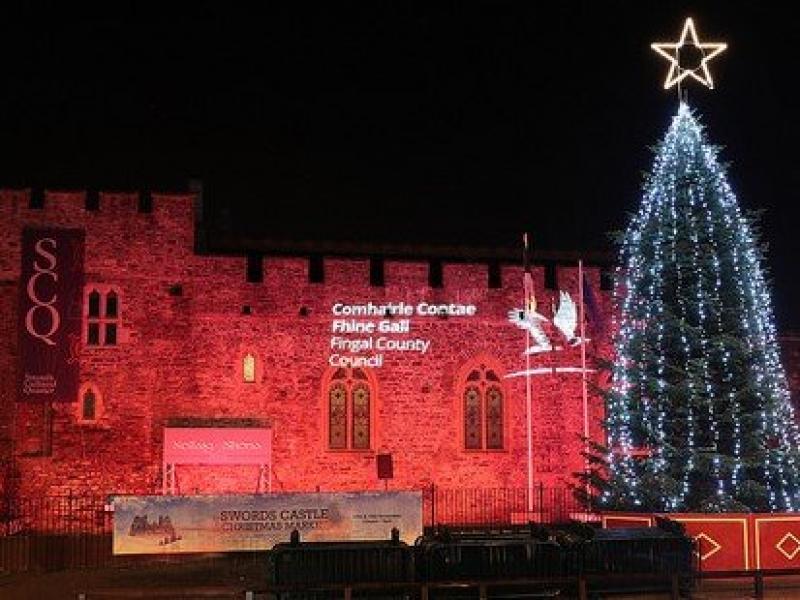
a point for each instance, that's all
(184, 332)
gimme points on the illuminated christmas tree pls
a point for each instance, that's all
(698, 414)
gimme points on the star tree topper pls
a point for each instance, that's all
(672, 53)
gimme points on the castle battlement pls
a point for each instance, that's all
(128, 226)
(258, 334)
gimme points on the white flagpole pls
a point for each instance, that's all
(583, 372)
(528, 391)
(529, 421)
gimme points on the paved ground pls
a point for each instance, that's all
(204, 577)
(787, 588)
(228, 577)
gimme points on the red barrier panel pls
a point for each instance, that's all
(777, 539)
(731, 541)
(621, 520)
(723, 540)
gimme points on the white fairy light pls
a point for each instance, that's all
(671, 52)
(690, 281)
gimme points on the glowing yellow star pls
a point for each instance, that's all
(671, 53)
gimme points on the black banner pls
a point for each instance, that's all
(50, 314)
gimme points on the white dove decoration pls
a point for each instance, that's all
(566, 319)
(529, 320)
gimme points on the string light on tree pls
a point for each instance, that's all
(698, 414)
(697, 380)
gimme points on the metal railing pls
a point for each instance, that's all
(486, 507)
(469, 507)
(54, 532)
(73, 530)
(64, 514)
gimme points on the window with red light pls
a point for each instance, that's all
(483, 402)
(350, 401)
(249, 368)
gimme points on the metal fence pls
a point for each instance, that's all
(54, 532)
(56, 515)
(490, 507)
(68, 531)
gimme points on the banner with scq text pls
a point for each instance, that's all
(174, 524)
(50, 313)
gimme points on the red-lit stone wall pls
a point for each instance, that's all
(790, 354)
(179, 362)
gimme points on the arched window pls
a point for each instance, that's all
(483, 405)
(102, 315)
(89, 404)
(249, 368)
(350, 398)
(112, 305)
(94, 304)
(93, 327)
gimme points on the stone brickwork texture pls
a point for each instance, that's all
(179, 362)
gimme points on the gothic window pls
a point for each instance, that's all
(494, 418)
(473, 418)
(249, 368)
(111, 305)
(93, 334)
(94, 304)
(350, 402)
(360, 436)
(483, 405)
(337, 396)
(111, 334)
(102, 316)
(89, 404)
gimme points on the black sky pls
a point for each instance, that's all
(440, 122)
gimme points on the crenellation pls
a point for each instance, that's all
(406, 274)
(352, 274)
(11, 200)
(465, 282)
(118, 204)
(187, 322)
(67, 204)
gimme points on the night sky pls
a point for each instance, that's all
(449, 122)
